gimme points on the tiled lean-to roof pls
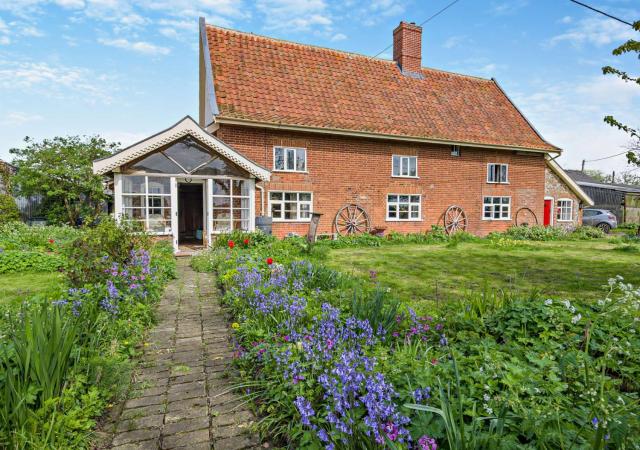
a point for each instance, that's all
(272, 82)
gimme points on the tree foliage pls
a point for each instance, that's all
(9, 211)
(629, 47)
(60, 169)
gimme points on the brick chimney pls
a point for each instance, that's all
(407, 46)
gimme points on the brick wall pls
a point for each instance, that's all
(556, 188)
(344, 170)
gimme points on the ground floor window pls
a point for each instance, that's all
(496, 208)
(147, 200)
(564, 210)
(290, 206)
(231, 205)
(403, 207)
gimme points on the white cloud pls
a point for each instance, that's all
(31, 31)
(17, 118)
(295, 15)
(338, 37)
(570, 115)
(508, 7)
(55, 81)
(454, 41)
(137, 46)
(4, 40)
(597, 31)
(71, 4)
(566, 19)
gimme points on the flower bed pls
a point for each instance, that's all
(330, 361)
(61, 362)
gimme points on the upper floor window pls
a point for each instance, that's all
(564, 210)
(290, 159)
(497, 173)
(404, 166)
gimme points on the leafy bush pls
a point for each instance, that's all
(325, 368)
(533, 233)
(9, 211)
(63, 361)
(90, 254)
(586, 233)
(29, 261)
(20, 236)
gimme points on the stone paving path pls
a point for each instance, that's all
(181, 392)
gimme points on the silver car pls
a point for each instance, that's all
(600, 218)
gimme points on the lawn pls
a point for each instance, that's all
(16, 287)
(568, 269)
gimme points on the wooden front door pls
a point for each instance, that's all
(548, 205)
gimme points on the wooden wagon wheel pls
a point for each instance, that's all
(455, 219)
(525, 216)
(352, 219)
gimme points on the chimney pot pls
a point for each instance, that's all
(407, 46)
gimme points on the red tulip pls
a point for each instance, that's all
(246, 242)
(51, 241)
(231, 244)
(269, 261)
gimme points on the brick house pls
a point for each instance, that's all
(305, 129)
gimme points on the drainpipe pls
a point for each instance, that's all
(261, 199)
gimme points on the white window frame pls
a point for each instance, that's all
(249, 197)
(397, 203)
(493, 205)
(490, 171)
(403, 157)
(298, 203)
(559, 209)
(295, 159)
(121, 208)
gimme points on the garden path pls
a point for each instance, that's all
(180, 395)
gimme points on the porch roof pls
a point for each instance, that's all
(185, 127)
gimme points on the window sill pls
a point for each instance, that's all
(498, 182)
(290, 171)
(489, 219)
(405, 176)
(564, 221)
(291, 221)
(403, 220)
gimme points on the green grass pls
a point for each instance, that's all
(568, 269)
(16, 287)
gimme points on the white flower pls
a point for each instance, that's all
(488, 409)
(486, 397)
(576, 318)
(548, 302)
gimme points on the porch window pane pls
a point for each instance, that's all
(221, 213)
(133, 184)
(221, 187)
(221, 202)
(221, 226)
(157, 163)
(133, 201)
(240, 187)
(188, 154)
(159, 185)
(218, 166)
(135, 213)
(159, 225)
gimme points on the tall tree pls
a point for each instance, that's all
(60, 169)
(631, 46)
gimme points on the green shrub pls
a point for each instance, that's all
(9, 211)
(90, 254)
(586, 233)
(30, 261)
(20, 236)
(533, 233)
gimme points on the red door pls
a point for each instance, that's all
(547, 212)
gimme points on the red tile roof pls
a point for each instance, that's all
(266, 80)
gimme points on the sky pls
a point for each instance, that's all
(126, 69)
